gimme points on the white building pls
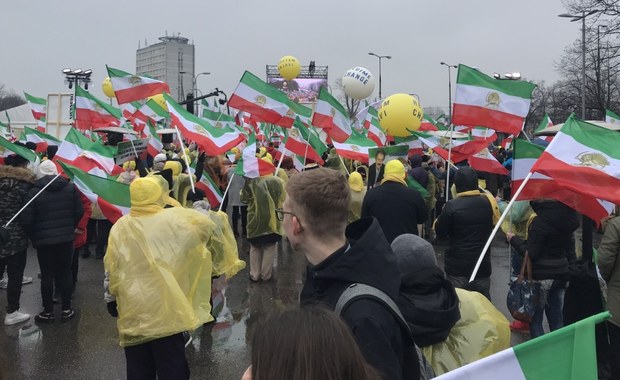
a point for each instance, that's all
(171, 61)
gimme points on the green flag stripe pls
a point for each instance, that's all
(468, 76)
(598, 138)
(116, 193)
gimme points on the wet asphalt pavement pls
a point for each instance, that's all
(87, 347)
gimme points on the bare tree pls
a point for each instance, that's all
(9, 99)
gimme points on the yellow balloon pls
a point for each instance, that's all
(400, 114)
(159, 99)
(107, 88)
(289, 67)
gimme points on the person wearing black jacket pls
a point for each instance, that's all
(398, 208)
(50, 222)
(314, 217)
(549, 247)
(467, 221)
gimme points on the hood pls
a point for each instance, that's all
(466, 179)
(557, 215)
(58, 184)
(368, 251)
(10, 176)
(415, 161)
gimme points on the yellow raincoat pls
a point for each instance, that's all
(159, 267)
(263, 195)
(223, 246)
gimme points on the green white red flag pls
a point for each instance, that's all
(375, 131)
(155, 145)
(428, 124)
(149, 111)
(111, 196)
(266, 103)
(611, 117)
(568, 353)
(219, 120)
(211, 140)
(38, 106)
(129, 87)
(330, 115)
(8, 148)
(481, 100)
(206, 184)
(544, 124)
(297, 144)
(355, 148)
(43, 140)
(541, 186)
(484, 161)
(251, 166)
(76, 147)
(92, 113)
(585, 158)
(462, 148)
(128, 109)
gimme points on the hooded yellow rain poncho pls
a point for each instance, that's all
(159, 267)
(263, 195)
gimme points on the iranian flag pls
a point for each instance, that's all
(484, 161)
(611, 117)
(206, 184)
(330, 115)
(507, 142)
(544, 124)
(585, 158)
(375, 131)
(43, 140)
(568, 353)
(428, 124)
(91, 113)
(155, 145)
(38, 106)
(129, 87)
(414, 144)
(462, 149)
(297, 144)
(213, 105)
(41, 124)
(111, 196)
(541, 186)
(355, 148)
(481, 100)
(128, 109)
(7, 148)
(149, 111)
(251, 166)
(212, 140)
(219, 120)
(77, 145)
(260, 99)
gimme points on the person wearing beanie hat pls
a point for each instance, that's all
(358, 192)
(398, 208)
(159, 161)
(467, 221)
(431, 305)
(158, 280)
(50, 222)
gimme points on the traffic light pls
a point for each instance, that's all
(190, 103)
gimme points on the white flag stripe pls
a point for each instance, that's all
(477, 96)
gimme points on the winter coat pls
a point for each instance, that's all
(263, 195)
(236, 184)
(14, 186)
(549, 242)
(372, 173)
(398, 209)
(429, 304)
(368, 259)
(467, 221)
(609, 265)
(53, 216)
(80, 238)
(355, 207)
(417, 172)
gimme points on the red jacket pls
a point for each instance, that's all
(80, 239)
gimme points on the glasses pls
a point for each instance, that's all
(280, 214)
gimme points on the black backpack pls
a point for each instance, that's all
(357, 291)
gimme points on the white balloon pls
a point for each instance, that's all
(358, 83)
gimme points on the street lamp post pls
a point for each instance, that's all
(195, 83)
(599, 68)
(380, 58)
(449, 89)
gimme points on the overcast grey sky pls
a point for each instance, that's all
(39, 38)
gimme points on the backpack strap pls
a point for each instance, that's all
(355, 291)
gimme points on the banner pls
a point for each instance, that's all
(126, 151)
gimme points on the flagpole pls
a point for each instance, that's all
(343, 165)
(451, 130)
(281, 159)
(226, 191)
(191, 178)
(498, 225)
(30, 201)
(134, 148)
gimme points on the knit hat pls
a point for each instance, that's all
(159, 158)
(413, 253)
(47, 167)
(356, 183)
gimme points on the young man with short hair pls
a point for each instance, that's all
(314, 217)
